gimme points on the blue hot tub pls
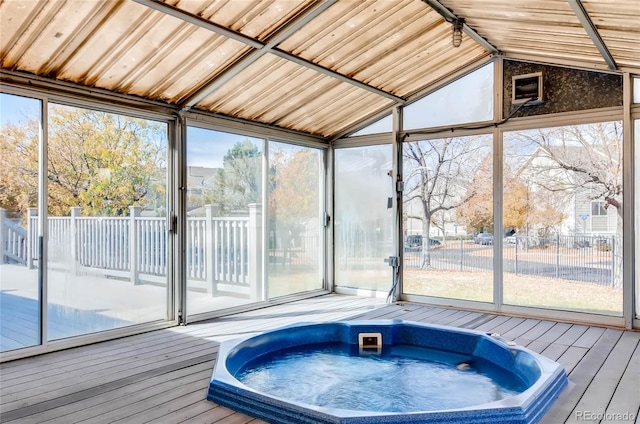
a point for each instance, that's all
(383, 372)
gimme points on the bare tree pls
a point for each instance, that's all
(580, 161)
(438, 173)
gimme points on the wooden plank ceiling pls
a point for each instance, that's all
(319, 67)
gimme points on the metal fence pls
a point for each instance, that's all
(588, 259)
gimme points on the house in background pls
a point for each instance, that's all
(553, 175)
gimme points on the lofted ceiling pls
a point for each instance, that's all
(319, 67)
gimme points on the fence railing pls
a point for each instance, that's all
(581, 258)
(223, 252)
(13, 241)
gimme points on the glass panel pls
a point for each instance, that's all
(20, 120)
(224, 220)
(563, 218)
(383, 125)
(295, 219)
(363, 222)
(107, 263)
(469, 99)
(636, 90)
(448, 218)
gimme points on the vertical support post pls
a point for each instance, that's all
(630, 237)
(397, 173)
(255, 250)
(461, 254)
(516, 259)
(31, 236)
(498, 228)
(3, 217)
(210, 253)
(613, 261)
(557, 255)
(134, 247)
(75, 213)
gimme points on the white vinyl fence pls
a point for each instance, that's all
(221, 251)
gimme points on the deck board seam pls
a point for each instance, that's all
(19, 413)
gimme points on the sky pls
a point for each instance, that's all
(204, 147)
(15, 108)
(207, 147)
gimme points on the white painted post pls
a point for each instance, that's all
(255, 251)
(209, 250)
(134, 212)
(75, 213)
(3, 217)
(31, 212)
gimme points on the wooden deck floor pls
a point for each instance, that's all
(162, 376)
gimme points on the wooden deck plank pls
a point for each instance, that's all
(555, 332)
(420, 312)
(215, 414)
(554, 351)
(537, 346)
(91, 406)
(492, 323)
(485, 317)
(85, 391)
(581, 378)
(589, 337)
(146, 378)
(466, 319)
(190, 411)
(155, 409)
(608, 377)
(538, 330)
(572, 335)
(36, 393)
(571, 357)
(507, 325)
(520, 329)
(620, 382)
(442, 314)
(451, 317)
(93, 365)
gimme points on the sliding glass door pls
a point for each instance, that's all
(83, 222)
(295, 219)
(363, 219)
(20, 288)
(224, 252)
(107, 221)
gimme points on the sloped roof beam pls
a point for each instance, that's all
(256, 44)
(450, 17)
(170, 10)
(271, 42)
(588, 25)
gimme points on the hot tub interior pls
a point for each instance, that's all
(383, 372)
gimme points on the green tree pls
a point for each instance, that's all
(98, 161)
(239, 182)
(477, 213)
(293, 198)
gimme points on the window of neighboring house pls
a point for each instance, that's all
(598, 209)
